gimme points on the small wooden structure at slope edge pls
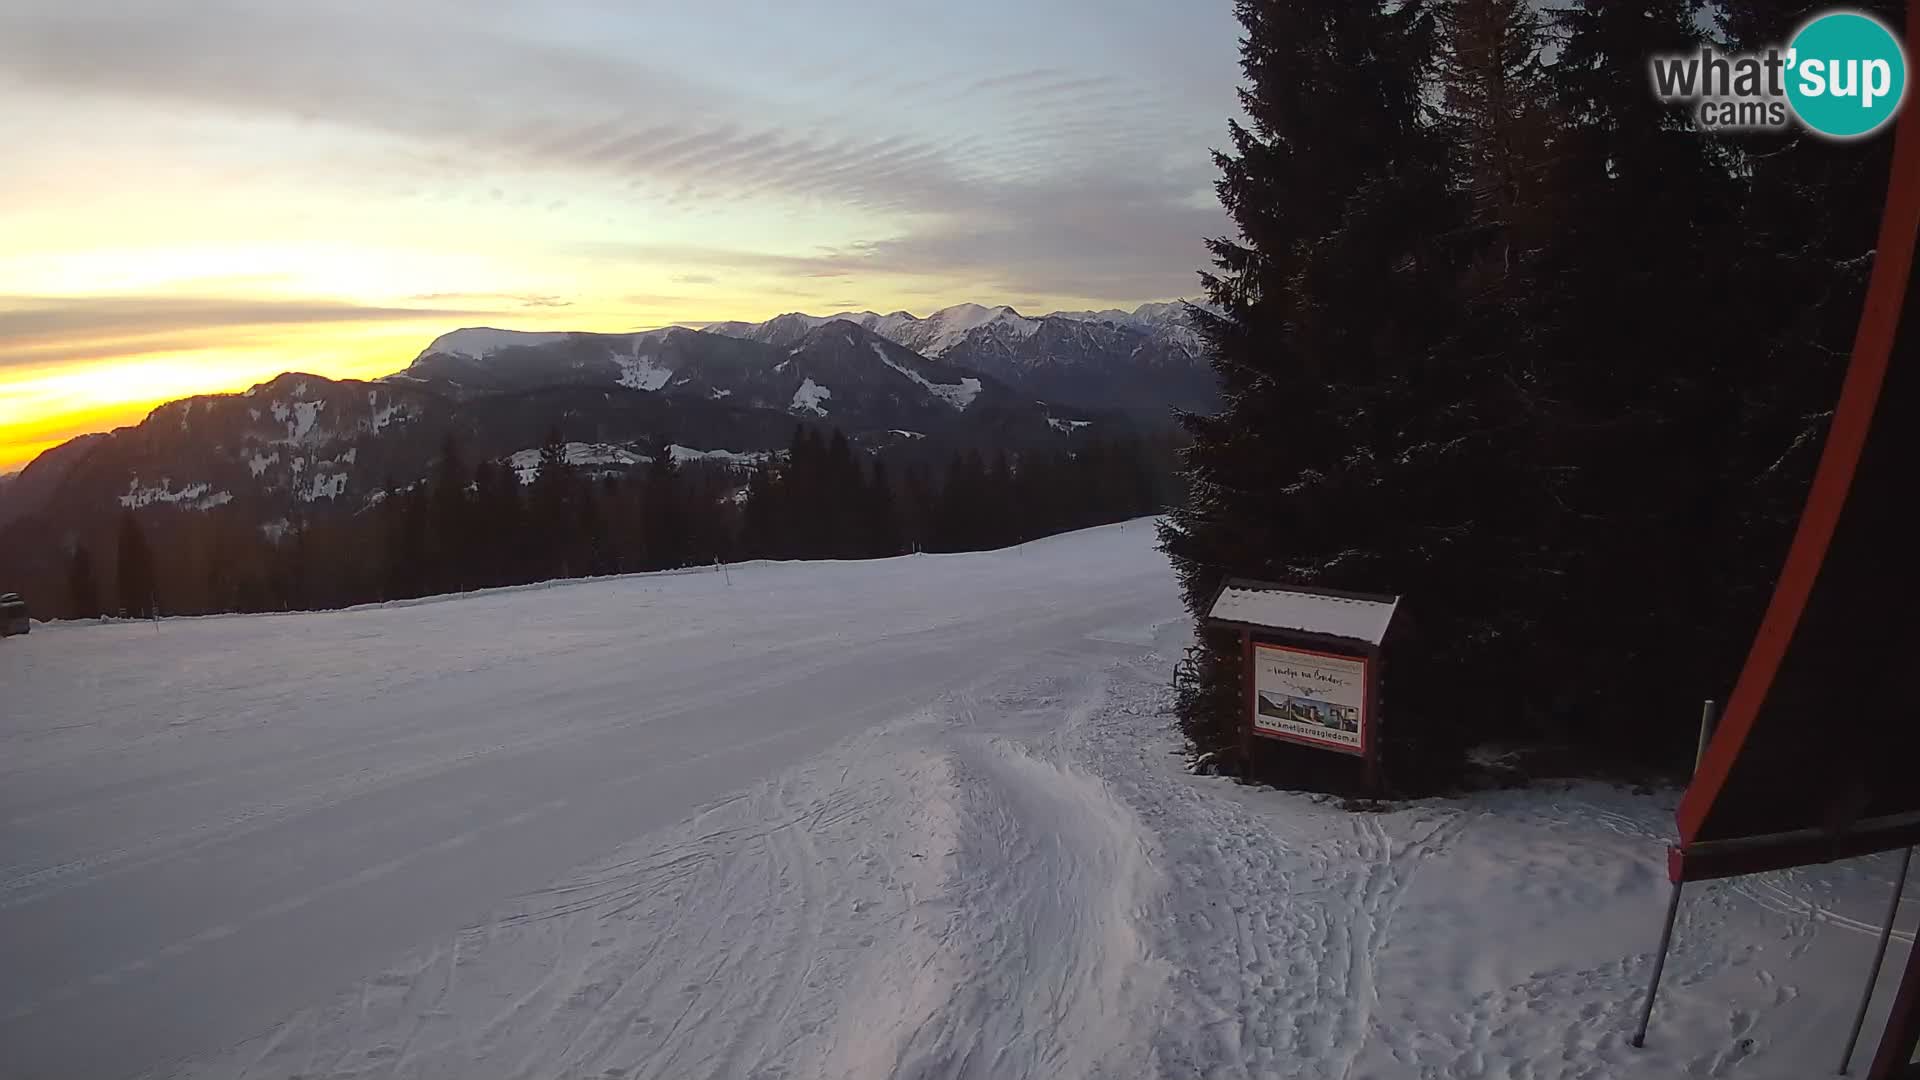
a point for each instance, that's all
(13, 615)
(1311, 660)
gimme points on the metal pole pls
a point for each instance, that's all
(1879, 954)
(1659, 964)
(1708, 716)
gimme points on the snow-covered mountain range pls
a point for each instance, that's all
(869, 379)
(1143, 361)
(948, 327)
(968, 376)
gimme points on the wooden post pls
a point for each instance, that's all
(1372, 776)
(1247, 704)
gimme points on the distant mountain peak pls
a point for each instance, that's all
(1143, 361)
(480, 341)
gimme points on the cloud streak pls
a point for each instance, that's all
(38, 330)
(1010, 152)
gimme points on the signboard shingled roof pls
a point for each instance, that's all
(1313, 612)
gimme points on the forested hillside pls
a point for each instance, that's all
(1502, 333)
(570, 511)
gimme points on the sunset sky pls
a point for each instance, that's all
(196, 196)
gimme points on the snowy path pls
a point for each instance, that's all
(581, 832)
(209, 826)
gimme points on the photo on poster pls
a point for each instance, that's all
(1310, 696)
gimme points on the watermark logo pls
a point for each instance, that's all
(1844, 76)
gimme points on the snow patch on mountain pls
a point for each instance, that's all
(197, 496)
(324, 485)
(259, 462)
(1066, 425)
(809, 397)
(1166, 318)
(947, 327)
(526, 463)
(1149, 314)
(683, 455)
(642, 373)
(300, 418)
(1112, 315)
(480, 341)
(391, 413)
(958, 395)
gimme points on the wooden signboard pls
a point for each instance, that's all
(1310, 660)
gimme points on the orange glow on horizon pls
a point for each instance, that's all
(56, 387)
(43, 405)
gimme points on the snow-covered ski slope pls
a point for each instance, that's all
(915, 818)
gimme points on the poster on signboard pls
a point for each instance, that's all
(1310, 697)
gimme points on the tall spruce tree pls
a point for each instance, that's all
(1495, 91)
(1641, 350)
(498, 524)
(665, 521)
(881, 519)
(83, 592)
(452, 535)
(1566, 404)
(843, 492)
(134, 573)
(759, 531)
(554, 513)
(1353, 445)
(1808, 233)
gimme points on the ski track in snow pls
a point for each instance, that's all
(930, 900)
(1003, 872)
(1015, 882)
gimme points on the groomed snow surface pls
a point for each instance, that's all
(914, 818)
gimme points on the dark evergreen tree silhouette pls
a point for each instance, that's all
(552, 500)
(841, 489)
(665, 513)
(1637, 384)
(498, 525)
(83, 592)
(451, 535)
(881, 528)
(759, 528)
(1498, 107)
(134, 574)
(1349, 450)
(1535, 352)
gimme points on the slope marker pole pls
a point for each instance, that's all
(1639, 1039)
(1709, 714)
(1879, 954)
